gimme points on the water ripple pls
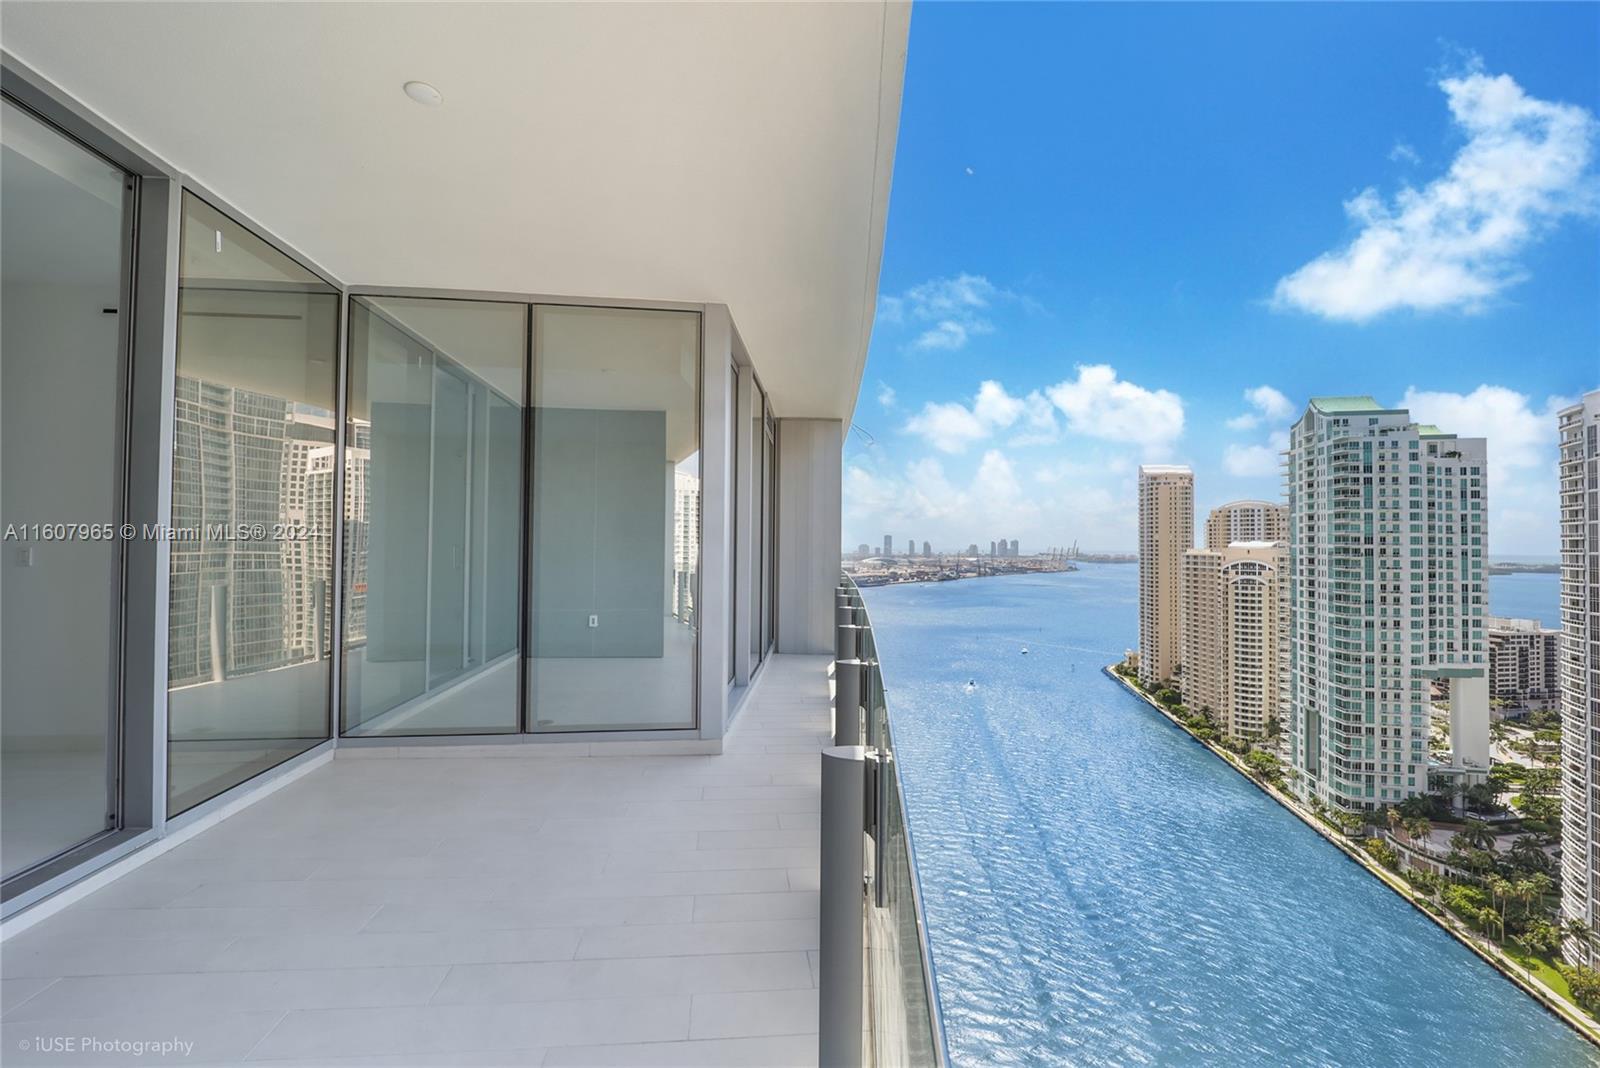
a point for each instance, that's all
(1102, 891)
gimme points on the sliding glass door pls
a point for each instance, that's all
(253, 478)
(63, 386)
(613, 630)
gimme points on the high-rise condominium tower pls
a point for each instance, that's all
(1388, 535)
(1580, 667)
(1166, 532)
(1246, 521)
(1232, 634)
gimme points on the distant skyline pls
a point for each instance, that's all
(1123, 234)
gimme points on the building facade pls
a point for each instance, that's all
(1524, 671)
(1387, 547)
(1579, 668)
(1233, 635)
(1246, 521)
(1166, 532)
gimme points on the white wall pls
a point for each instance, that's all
(810, 452)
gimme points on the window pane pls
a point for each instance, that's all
(252, 496)
(433, 516)
(769, 496)
(615, 519)
(758, 512)
(733, 511)
(63, 393)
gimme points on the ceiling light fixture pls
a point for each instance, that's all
(423, 93)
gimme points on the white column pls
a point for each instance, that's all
(743, 525)
(715, 528)
(810, 454)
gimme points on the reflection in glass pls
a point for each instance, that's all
(758, 520)
(63, 393)
(252, 504)
(733, 510)
(769, 529)
(615, 535)
(433, 516)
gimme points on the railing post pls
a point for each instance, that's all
(847, 641)
(848, 680)
(840, 976)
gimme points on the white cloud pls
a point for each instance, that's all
(950, 296)
(886, 395)
(1255, 461)
(997, 493)
(1404, 153)
(948, 427)
(1269, 402)
(1100, 405)
(1453, 243)
(1520, 435)
(952, 310)
(950, 334)
(951, 427)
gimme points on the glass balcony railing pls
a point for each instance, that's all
(899, 1012)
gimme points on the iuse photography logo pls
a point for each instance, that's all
(94, 1045)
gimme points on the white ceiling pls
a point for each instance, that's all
(736, 153)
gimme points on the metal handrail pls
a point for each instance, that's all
(885, 753)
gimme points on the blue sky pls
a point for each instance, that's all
(1129, 219)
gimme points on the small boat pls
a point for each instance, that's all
(1024, 650)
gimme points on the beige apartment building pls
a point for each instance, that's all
(1579, 475)
(1246, 521)
(1166, 532)
(1235, 605)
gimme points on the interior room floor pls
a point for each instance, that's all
(508, 905)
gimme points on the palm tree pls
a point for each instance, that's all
(1527, 853)
(1501, 891)
(1392, 814)
(1535, 887)
(1574, 929)
(1478, 835)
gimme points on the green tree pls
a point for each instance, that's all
(1477, 834)
(1527, 854)
(1584, 984)
(1541, 938)
(1483, 797)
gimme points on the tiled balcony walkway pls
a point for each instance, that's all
(499, 905)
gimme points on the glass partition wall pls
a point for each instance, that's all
(433, 517)
(491, 512)
(253, 473)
